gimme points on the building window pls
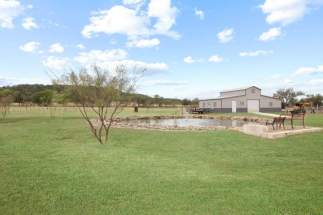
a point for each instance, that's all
(253, 91)
(270, 104)
(214, 104)
(241, 103)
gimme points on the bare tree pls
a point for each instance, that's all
(102, 94)
(5, 100)
(288, 96)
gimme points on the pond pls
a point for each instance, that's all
(189, 122)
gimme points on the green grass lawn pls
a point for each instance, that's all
(19, 112)
(54, 166)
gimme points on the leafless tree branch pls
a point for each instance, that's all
(102, 93)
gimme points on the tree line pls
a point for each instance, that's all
(46, 95)
(290, 97)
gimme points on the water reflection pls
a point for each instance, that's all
(191, 122)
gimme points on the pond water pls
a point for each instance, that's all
(190, 122)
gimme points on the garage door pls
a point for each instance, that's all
(253, 106)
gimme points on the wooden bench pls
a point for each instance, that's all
(298, 114)
(277, 122)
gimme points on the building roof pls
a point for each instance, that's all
(230, 90)
(228, 97)
(239, 89)
(222, 97)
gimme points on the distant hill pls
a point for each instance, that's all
(27, 93)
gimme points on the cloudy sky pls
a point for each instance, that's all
(189, 48)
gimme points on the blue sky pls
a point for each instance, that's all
(190, 48)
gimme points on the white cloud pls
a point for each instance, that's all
(271, 34)
(316, 82)
(99, 56)
(189, 60)
(165, 83)
(30, 47)
(215, 59)
(117, 20)
(159, 18)
(143, 65)
(166, 15)
(29, 23)
(305, 70)
(199, 13)
(10, 81)
(288, 82)
(131, 2)
(226, 35)
(306, 79)
(131, 65)
(4, 82)
(80, 46)
(256, 53)
(55, 63)
(9, 10)
(109, 59)
(56, 48)
(309, 70)
(144, 43)
(285, 11)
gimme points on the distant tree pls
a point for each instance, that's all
(61, 97)
(158, 100)
(25, 94)
(316, 100)
(19, 97)
(288, 96)
(186, 102)
(141, 100)
(102, 93)
(6, 99)
(195, 101)
(43, 98)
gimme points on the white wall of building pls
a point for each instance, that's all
(241, 100)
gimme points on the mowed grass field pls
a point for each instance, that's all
(54, 166)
